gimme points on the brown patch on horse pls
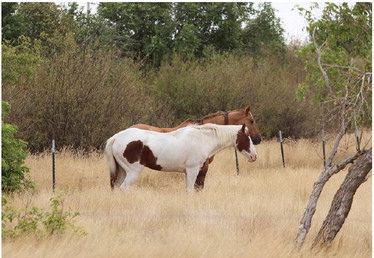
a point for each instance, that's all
(242, 140)
(133, 151)
(148, 159)
(137, 151)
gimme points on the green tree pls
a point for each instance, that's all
(215, 24)
(148, 31)
(339, 78)
(20, 60)
(13, 155)
(143, 31)
(188, 42)
(264, 32)
(88, 28)
(50, 25)
(40, 19)
(12, 26)
(339, 57)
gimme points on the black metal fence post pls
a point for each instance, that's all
(357, 140)
(324, 148)
(281, 145)
(236, 161)
(53, 166)
(324, 152)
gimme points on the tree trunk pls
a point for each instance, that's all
(326, 174)
(343, 199)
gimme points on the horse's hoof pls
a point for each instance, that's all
(199, 188)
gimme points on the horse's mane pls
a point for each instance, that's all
(223, 133)
(218, 113)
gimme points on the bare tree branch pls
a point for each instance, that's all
(342, 67)
(349, 106)
(324, 74)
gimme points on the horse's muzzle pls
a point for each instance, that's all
(252, 157)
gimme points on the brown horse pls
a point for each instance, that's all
(234, 117)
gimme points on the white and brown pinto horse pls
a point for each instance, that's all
(234, 117)
(184, 150)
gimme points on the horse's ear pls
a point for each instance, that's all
(243, 128)
(247, 110)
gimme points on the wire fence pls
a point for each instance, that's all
(81, 180)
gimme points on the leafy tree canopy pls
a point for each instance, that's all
(148, 32)
(151, 30)
(338, 60)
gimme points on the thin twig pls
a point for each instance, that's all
(343, 67)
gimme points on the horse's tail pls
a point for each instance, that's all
(112, 163)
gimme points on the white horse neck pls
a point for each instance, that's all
(221, 136)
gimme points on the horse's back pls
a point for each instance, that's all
(152, 139)
(143, 127)
(152, 128)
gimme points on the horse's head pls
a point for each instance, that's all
(244, 116)
(245, 145)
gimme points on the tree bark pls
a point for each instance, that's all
(343, 199)
(325, 175)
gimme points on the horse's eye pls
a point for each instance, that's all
(251, 121)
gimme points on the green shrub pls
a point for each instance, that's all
(14, 177)
(16, 223)
(80, 97)
(191, 89)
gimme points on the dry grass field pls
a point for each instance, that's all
(255, 214)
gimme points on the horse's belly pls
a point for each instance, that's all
(172, 163)
(173, 169)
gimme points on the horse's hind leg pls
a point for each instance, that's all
(199, 184)
(117, 179)
(132, 174)
(120, 176)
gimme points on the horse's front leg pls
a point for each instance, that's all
(191, 174)
(199, 184)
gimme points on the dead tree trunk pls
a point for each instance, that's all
(343, 199)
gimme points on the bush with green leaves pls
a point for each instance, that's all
(14, 177)
(16, 223)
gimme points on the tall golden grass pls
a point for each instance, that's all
(255, 214)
